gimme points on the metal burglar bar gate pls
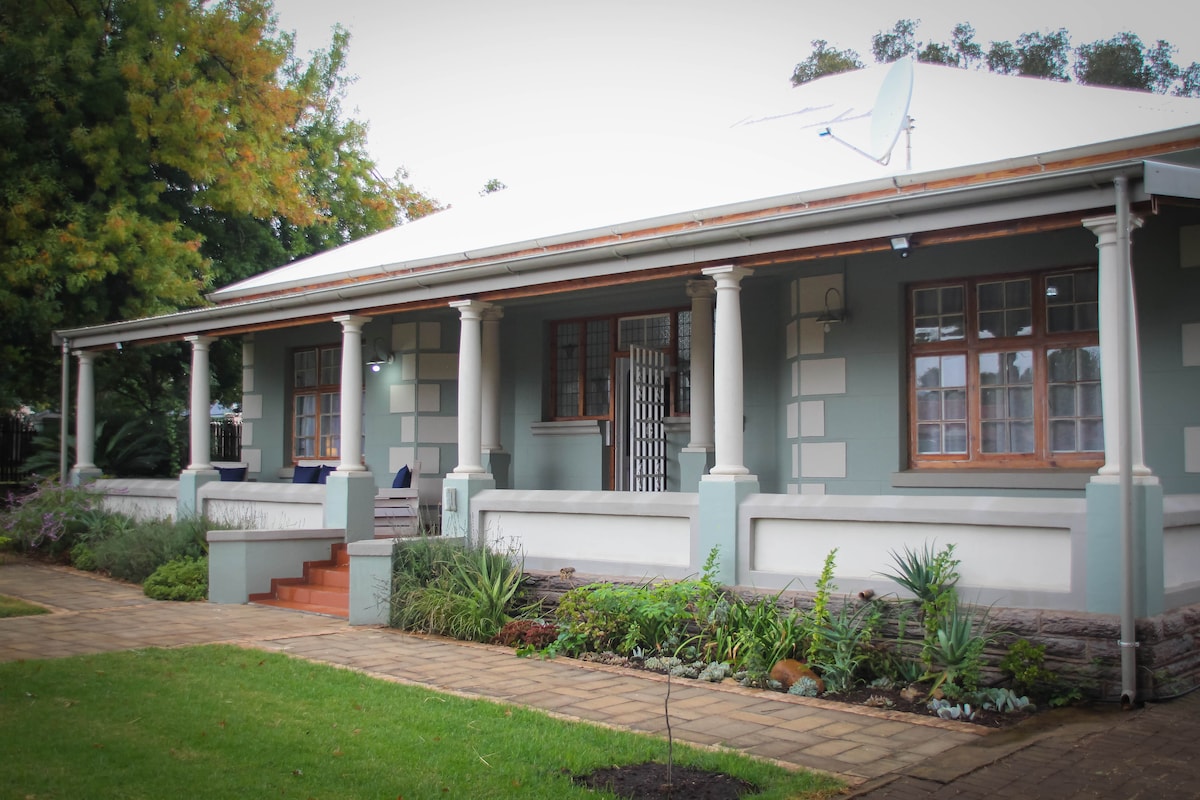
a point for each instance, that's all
(648, 402)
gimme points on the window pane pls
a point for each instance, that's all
(1062, 401)
(929, 372)
(331, 366)
(1062, 436)
(925, 302)
(567, 360)
(1016, 294)
(1071, 301)
(952, 327)
(929, 439)
(1060, 319)
(1018, 323)
(1089, 363)
(956, 438)
(597, 377)
(992, 404)
(991, 325)
(952, 300)
(925, 329)
(304, 367)
(1061, 364)
(991, 296)
(955, 404)
(1091, 436)
(1020, 437)
(954, 371)
(1060, 289)
(1020, 402)
(1089, 400)
(929, 405)
(992, 437)
(1088, 317)
(683, 363)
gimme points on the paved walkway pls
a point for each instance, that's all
(882, 754)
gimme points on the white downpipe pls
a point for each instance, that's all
(1128, 643)
(64, 405)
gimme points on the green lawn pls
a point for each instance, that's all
(224, 722)
(12, 607)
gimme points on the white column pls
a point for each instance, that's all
(1116, 291)
(352, 392)
(701, 292)
(727, 372)
(85, 413)
(470, 379)
(201, 403)
(490, 380)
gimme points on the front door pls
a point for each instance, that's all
(642, 463)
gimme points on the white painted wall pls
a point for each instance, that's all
(140, 498)
(263, 506)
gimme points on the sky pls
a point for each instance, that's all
(459, 92)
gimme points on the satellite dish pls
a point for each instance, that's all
(890, 115)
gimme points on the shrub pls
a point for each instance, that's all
(184, 578)
(134, 552)
(464, 591)
(50, 519)
(527, 633)
(83, 557)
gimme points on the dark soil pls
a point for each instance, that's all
(650, 781)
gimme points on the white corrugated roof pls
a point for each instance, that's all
(962, 118)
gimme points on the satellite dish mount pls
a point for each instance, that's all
(889, 117)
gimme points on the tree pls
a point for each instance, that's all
(1121, 61)
(149, 149)
(900, 42)
(824, 61)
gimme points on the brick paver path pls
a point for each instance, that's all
(889, 756)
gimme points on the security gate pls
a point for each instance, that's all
(647, 442)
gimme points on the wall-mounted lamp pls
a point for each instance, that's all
(901, 244)
(832, 314)
(381, 357)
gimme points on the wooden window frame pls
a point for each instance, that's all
(613, 354)
(317, 390)
(1039, 341)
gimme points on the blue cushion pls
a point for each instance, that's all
(403, 479)
(323, 472)
(235, 474)
(306, 474)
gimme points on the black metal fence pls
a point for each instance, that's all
(226, 438)
(16, 444)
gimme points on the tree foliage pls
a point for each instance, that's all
(150, 149)
(825, 60)
(1121, 61)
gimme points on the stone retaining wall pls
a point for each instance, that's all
(1081, 648)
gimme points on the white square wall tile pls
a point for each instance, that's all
(247, 379)
(793, 420)
(793, 489)
(402, 398)
(431, 336)
(438, 430)
(816, 489)
(252, 406)
(398, 457)
(247, 433)
(438, 367)
(812, 293)
(408, 429)
(1191, 449)
(429, 397)
(247, 354)
(795, 461)
(791, 334)
(812, 418)
(795, 379)
(431, 460)
(253, 458)
(1191, 344)
(812, 337)
(823, 460)
(404, 340)
(823, 376)
(408, 367)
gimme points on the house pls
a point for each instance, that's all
(767, 343)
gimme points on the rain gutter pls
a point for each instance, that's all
(351, 296)
(1128, 643)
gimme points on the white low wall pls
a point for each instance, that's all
(140, 498)
(1018, 553)
(263, 506)
(599, 533)
(1181, 549)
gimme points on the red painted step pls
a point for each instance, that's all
(324, 588)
